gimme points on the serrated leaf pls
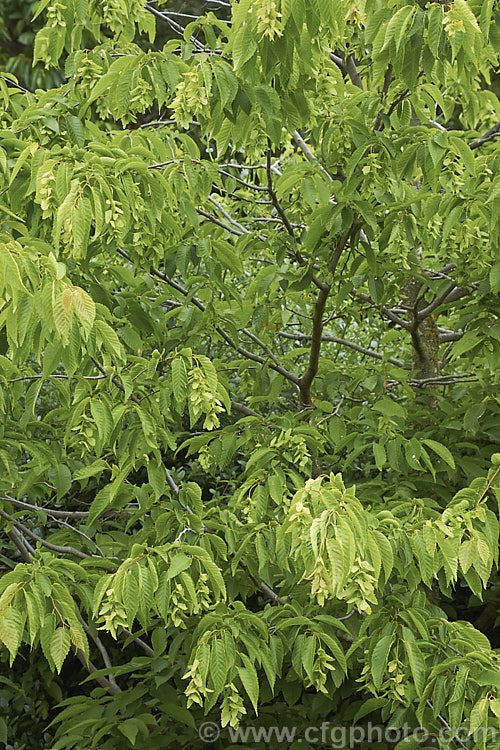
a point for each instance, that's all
(178, 563)
(416, 659)
(441, 450)
(250, 681)
(59, 647)
(179, 380)
(11, 629)
(380, 657)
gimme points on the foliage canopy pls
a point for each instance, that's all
(249, 347)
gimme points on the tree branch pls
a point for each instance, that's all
(90, 667)
(54, 547)
(345, 342)
(24, 547)
(384, 310)
(273, 196)
(227, 338)
(488, 136)
(317, 323)
(352, 71)
(102, 649)
(452, 294)
(245, 410)
(37, 509)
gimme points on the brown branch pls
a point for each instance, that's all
(90, 667)
(102, 649)
(488, 136)
(24, 547)
(245, 410)
(54, 547)
(36, 508)
(384, 310)
(452, 294)
(227, 338)
(145, 647)
(220, 223)
(273, 196)
(307, 378)
(345, 342)
(176, 27)
(352, 71)
(267, 590)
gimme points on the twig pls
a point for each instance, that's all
(447, 726)
(227, 338)
(103, 682)
(245, 410)
(54, 547)
(220, 223)
(273, 196)
(267, 590)
(56, 513)
(24, 547)
(307, 378)
(350, 344)
(488, 136)
(175, 27)
(16, 85)
(308, 153)
(384, 310)
(227, 216)
(102, 649)
(145, 647)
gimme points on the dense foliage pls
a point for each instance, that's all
(249, 347)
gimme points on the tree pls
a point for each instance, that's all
(249, 346)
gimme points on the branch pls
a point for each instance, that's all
(145, 647)
(227, 216)
(105, 656)
(227, 338)
(54, 547)
(308, 153)
(317, 323)
(273, 196)
(90, 667)
(488, 136)
(176, 27)
(16, 85)
(56, 513)
(350, 344)
(245, 410)
(384, 311)
(352, 71)
(267, 590)
(220, 223)
(447, 727)
(445, 335)
(24, 547)
(452, 294)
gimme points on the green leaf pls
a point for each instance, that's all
(59, 647)
(179, 380)
(416, 660)
(250, 681)
(380, 657)
(441, 450)
(11, 629)
(495, 278)
(178, 563)
(389, 408)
